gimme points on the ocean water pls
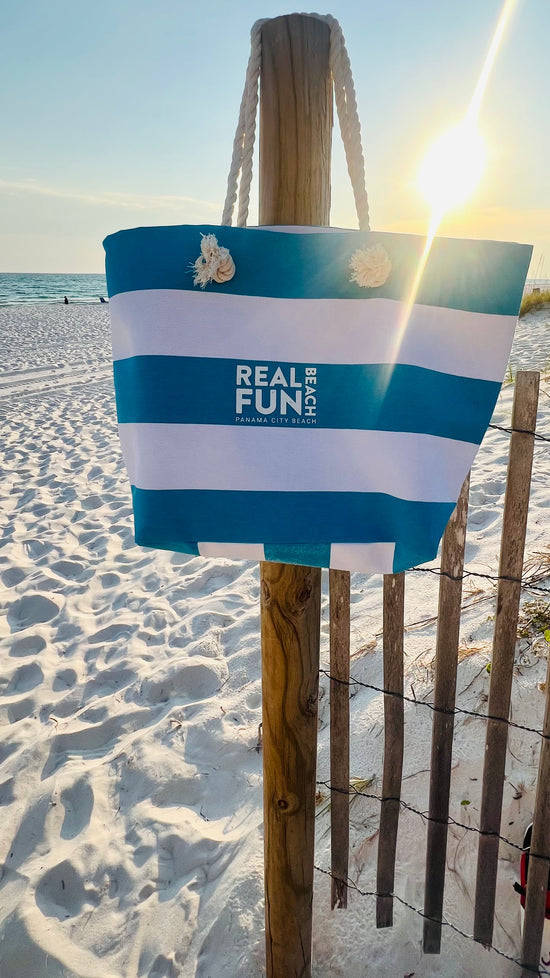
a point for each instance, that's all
(17, 287)
(28, 287)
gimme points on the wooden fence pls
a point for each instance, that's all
(295, 148)
(446, 658)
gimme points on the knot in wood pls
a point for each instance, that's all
(311, 704)
(286, 804)
(305, 593)
(266, 593)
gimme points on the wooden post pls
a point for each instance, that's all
(339, 583)
(514, 524)
(393, 629)
(537, 876)
(295, 144)
(446, 659)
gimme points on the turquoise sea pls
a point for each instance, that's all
(17, 287)
(27, 287)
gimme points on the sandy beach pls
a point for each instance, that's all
(131, 772)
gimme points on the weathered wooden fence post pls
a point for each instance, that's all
(514, 526)
(394, 728)
(446, 663)
(340, 589)
(295, 146)
(537, 877)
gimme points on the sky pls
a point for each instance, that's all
(116, 114)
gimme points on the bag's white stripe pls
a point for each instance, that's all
(235, 551)
(368, 558)
(172, 456)
(168, 322)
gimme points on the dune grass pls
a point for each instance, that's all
(533, 301)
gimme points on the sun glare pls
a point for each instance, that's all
(454, 164)
(452, 168)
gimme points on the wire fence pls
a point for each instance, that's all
(541, 970)
(432, 706)
(534, 579)
(527, 584)
(356, 792)
(522, 431)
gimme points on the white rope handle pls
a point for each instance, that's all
(346, 107)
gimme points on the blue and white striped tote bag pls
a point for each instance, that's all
(294, 395)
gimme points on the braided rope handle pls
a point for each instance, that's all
(346, 107)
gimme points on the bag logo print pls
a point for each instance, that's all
(276, 394)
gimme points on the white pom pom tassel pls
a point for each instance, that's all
(370, 267)
(214, 263)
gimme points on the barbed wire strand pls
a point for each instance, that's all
(357, 792)
(526, 583)
(521, 431)
(432, 706)
(444, 922)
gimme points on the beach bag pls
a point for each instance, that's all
(305, 395)
(289, 394)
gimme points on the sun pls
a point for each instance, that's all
(453, 167)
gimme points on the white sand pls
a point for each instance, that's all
(130, 786)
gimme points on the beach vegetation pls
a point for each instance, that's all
(509, 376)
(533, 301)
(534, 619)
(357, 789)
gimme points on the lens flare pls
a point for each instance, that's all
(453, 167)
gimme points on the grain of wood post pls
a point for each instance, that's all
(514, 524)
(393, 630)
(339, 583)
(295, 146)
(446, 659)
(537, 876)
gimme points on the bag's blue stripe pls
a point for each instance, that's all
(477, 276)
(306, 554)
(398, 397)
(319, 554)
(168, 518)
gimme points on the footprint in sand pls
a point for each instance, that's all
(254, 697)
(31, 609)
(21, 709)
(201, 623)
(29, 645)
(162, 967)
(109, 580)
(29, 833)
(6, 792)
(61, 892)
(6, 750)
(95, 541)
(25, 678)
(92, 502)
(78, 802)
(13, 576)
(180, 858)
(36, 548)
(92, 740)
(64, 679)
(110, 634)
(72, 570)
(107, 681)
(179, 791)
(194, 682)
